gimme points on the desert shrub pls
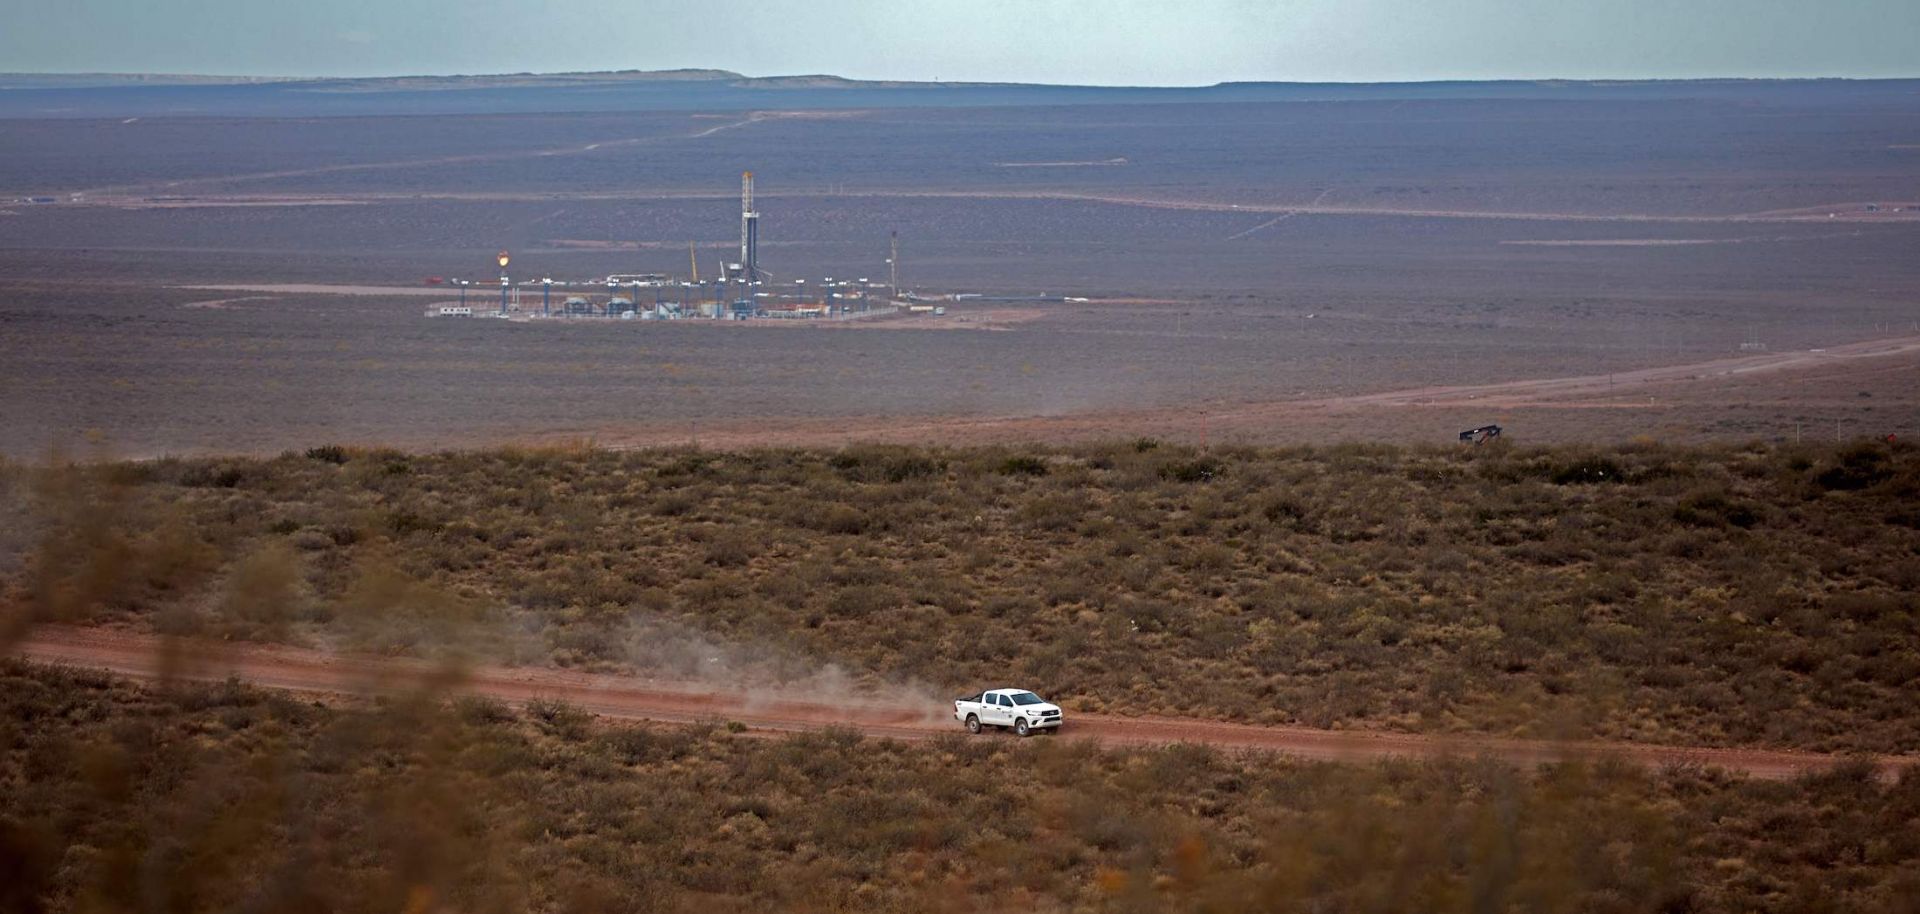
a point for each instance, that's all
(559, 718)
(1053, 512)
(674, 503)
(1587, 470)
(403, 522)
(1211, 558)
(1148, 615)
(213, 476)
(1203, 469)
(862, 600)
(840, 519)
(697, 463)
(1715, 507)
(732, 547)
(479, 710)
(1858, 466)
(639, 745)
(1285, 509)
(581, 645)
(1022, 465)
(878, 464)
(328, 453)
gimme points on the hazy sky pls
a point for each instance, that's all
(1149, 42)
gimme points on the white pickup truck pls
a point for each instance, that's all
(1017, 708)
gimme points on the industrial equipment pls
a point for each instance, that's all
(749, 231)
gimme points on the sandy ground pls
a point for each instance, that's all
(117, 195)
(1642, 392)
(479, 292)
(149, 657)
(1626, 384)
(228, 302)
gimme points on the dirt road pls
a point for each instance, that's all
(148, 657)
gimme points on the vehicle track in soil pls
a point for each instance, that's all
(151, 658)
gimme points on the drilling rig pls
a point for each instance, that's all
(749, 231)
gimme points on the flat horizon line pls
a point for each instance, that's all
(701, 74)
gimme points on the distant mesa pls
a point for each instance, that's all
(829, 81)
(110, 80)
(810, 81)
(470, 80)
(517, 80)
(364, 83)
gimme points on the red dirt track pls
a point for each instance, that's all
(150, 657)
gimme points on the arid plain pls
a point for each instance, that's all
(1258, 272)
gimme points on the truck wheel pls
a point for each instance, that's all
(973, 724)
(1020, 727)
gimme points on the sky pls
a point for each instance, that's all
(1122, 42)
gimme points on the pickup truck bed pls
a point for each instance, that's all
(1018, 709)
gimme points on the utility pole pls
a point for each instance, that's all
(893, 264)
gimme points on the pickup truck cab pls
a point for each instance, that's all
(1020, 709)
